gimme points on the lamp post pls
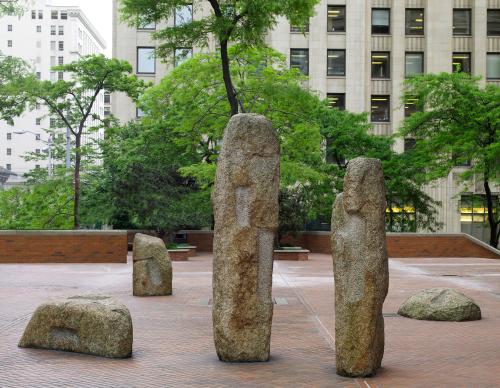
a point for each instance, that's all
(49, 144)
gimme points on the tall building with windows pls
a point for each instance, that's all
(358, 54)
(45, 36)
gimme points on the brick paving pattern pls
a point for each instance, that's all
(173, 335)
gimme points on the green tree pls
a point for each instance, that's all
(457, 122)
(12, 72)
(241, 21)
(12, 7)
(72, 102)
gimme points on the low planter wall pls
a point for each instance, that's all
(17, 247)
(291, 255)
(179, 254)
(398, 244)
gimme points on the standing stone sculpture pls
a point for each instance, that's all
(152, 273)
(245, 202)
(361, 270)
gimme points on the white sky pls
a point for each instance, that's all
(100, 14)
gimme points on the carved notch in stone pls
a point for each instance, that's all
(245, 202)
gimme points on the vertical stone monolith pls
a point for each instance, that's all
(245, 202)
(361, 269)
(152, 271)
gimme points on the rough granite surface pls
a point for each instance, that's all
(245, 202)
(90, 324)
(360, 267)
(152, 273)
(440, 304)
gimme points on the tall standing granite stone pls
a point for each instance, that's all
(245, 202)
(361, 269)
(152, 273)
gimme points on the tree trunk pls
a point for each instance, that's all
(226, 74)
(76, 204)
(491, 215)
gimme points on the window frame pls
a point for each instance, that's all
(332, 6)
(307, 62)
(497, 54)
(388, 99)
(453, 55)
(175, 15)
(390, 20)
(328, 51)
(190, 49)
(469, 10)
(423, 63)
(410, 33)
(137, 60)
(340, 96)
(388, 77)
(488, 12)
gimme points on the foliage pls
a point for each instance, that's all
(457, 123)
(12, 7)
(41, 203)
(12, 71)
(242, 22)
(72, 102)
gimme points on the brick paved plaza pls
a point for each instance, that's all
(173, 335)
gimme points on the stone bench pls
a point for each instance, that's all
(179, 254)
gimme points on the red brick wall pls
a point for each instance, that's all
(63, 247)
(398, 245)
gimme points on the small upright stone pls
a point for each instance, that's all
(152, 273)
(361, 269)
(245, 202)
(89, 324)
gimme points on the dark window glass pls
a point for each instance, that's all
(336, 100)
(410, 106)
(336, 63)
(9, 136)
(462, 22)
(299, 59)
(381, 66)
(381, 21)
(9, 167)
(414, 21)
(54, 15)
(494, 22)
(33, 14)
(414, 64)
(40, 14)
(146, 60)
(336, 18)
(381, 109)
(300, 28)
(64, 15)
(493, 66)
(107, 98)
(461, 63)
(9, 27)
(410, 144)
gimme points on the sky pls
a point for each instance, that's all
(100, 14)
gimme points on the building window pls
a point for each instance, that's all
(9, 43)
(139, 113)
(61, 45)
(462, 22)
(336, 18)
(9, 27)
(181, 55)
(9, 167)
(61, 30)
(381, 21)
(336, 63)
(37, 136)
(336, 100)
(38, 121)
(37, 151)
(299, 29)
(60, 61)
(147, 26)
(53, 45)
(107, 111)
(411, 106)
(146, 60)
(461, 63)
(60, 76)
(493, 66)
(52, 61)
(410, 144)
(54, 15)
(107, 98)
(494, 22)
(381, 65)
(299, 59)
(414, 64)
(33, 14)
(381, 109)
(40, 14)
(474, 215)
(52, 30)
(9, 151)
(9, 136)
(64, 15)
(414, 21)
(183, 15)
(53, 122)
(38, 28)
(38, 75)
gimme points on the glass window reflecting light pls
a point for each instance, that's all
(462, 24)
(381, 21)
(493, 66)
(182, 54)
(184, 15)
(299, 59)
(414, 64)
(336, 63)
(145, 60)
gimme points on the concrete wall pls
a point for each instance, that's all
(63, 247)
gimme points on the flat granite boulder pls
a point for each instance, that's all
(152, 273)
(89, 324)
(440, 304)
